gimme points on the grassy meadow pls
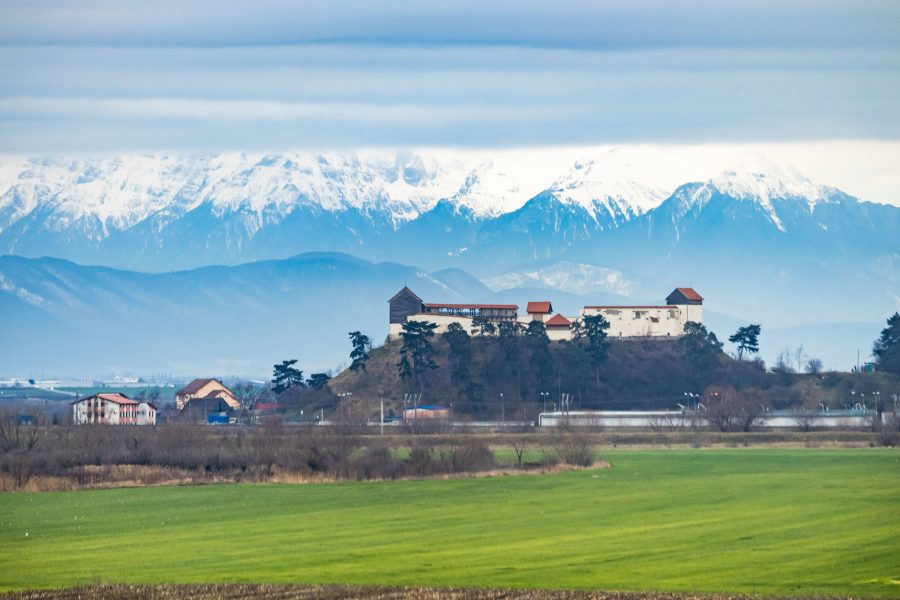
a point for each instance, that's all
(812, 522)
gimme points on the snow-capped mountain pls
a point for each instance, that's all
(524, 218)
(610, 195)
(165, 211)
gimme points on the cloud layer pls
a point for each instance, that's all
(268, 75)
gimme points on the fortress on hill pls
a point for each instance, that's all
(682, 305)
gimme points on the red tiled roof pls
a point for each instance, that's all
(265, 406)
(193, 387)
(116, 398)
(690, 294)
(544, 308)
(558, 321)
(502, 306)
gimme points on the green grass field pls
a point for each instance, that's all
(763, 521)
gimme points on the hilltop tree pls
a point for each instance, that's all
(360, 353)
(483, 328)
(887, 347)
(460, 355)
(541, 359)
(701, 346)
(417, 353)
(747, 340)
(285, 376)
(509, 336)
(591, 331)
(317, 381)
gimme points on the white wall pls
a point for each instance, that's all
(146, 414)
(636, 321)
(442, 322)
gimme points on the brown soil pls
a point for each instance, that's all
(309, 592)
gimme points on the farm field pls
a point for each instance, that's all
(808, 522)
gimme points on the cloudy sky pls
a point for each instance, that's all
(112, 76)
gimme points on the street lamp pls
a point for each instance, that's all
(502, 409)
(544, 396)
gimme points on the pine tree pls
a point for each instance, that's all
(887, 347)
(360, 353)
(417, 353)
(285, 376)
(747, 340)
(460, 355)
(591, 331)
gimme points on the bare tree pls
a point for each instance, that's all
(574, 447)
(519, 446)
(814, 366)
(17, 432)
(800, 357)
(805, 419)
(729, 410)
(783, 363)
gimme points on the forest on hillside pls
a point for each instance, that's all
(513, 371)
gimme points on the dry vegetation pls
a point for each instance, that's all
(59, 458)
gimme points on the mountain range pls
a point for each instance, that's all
(762, 246)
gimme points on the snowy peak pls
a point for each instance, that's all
(766, 187)
(606, 192)
(775, 195)
(489, 190)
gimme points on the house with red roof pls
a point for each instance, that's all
(211, 390)
(112, 409)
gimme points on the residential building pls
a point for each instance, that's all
(112, 409)
(211, 389)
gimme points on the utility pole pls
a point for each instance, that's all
(382, 416)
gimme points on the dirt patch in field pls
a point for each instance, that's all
(309, 592)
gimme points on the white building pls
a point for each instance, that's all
(112, 409)
(682, 305)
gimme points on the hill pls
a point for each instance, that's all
(648, 374)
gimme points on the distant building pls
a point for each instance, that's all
(558, 328)
(426, 412)
(201, 409)
(682, 305)
(211, 389)
(112, 409)
(539, 311)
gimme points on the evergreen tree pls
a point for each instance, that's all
(541, 359)
(318, 380)
(285, 376)
(591, 332)
(887, 347)
(460, 356)
(483, 328)
(747, 340)
(417, 353)
(360, 353)
(701, 347)
(509, 336)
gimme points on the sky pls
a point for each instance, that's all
(813, 79)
